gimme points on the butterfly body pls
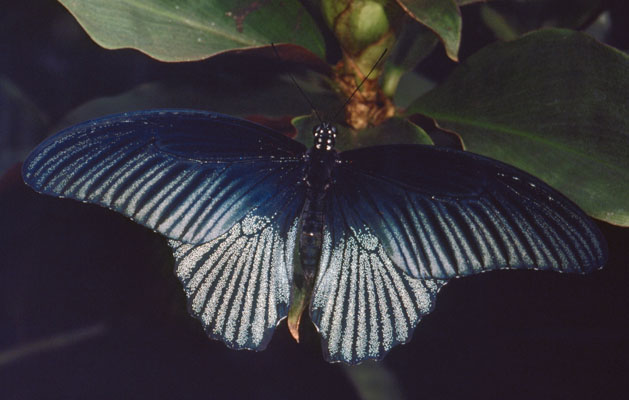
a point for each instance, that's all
(378, 230)
(320, 162)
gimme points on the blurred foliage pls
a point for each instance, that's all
(331, 45)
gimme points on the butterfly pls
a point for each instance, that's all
(376, 232)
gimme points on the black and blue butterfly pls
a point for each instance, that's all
(376, 231)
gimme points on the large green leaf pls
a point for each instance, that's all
(554, 103)
(442, 17)
(186, 30)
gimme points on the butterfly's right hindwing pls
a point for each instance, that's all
(362, 304)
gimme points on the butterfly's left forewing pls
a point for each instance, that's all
(226, 192)
(189, 175)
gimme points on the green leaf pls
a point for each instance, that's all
(499, 24)
(374, 381)
(553, 103)
(226, 89)
(414, 43)
(411, 86)
(511, 19)
(23, 123)
(395, 130)
(466, 2)
(442, 17)
(187, 30)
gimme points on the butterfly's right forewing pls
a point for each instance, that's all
(442, 213)
(401, 220)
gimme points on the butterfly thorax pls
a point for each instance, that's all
(324, 137)
(320, 161)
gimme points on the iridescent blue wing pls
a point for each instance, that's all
(419, 215)
(442, 213)
(189, 175)
(225, 191)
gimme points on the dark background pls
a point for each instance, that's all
(90, 308)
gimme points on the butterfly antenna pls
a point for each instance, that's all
(312, 107)
(361, 83)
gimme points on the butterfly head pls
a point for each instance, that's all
(324, 136)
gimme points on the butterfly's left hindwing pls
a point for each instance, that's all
(239, 284)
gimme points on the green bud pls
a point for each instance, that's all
(358, 24)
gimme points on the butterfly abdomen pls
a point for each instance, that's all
(317, 179)
(311, 237)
